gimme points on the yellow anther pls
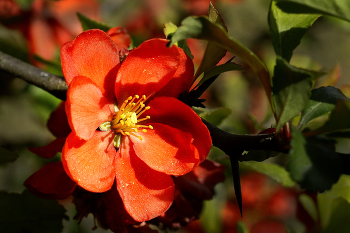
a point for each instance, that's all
(125, 121)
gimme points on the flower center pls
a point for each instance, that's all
(127, 120)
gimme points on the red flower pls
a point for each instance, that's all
(141, 157)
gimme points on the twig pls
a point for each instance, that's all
(53, 84)
(231, 143)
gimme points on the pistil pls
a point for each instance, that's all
(125, 121)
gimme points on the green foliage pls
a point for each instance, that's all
(169, 29)
(7, 156)
(217, 70)
(291, 91)
(88, 23)
(28, 213)
(337, 8)
(339, 118)
(241, 227)
(321, 102)
(313, 163)
(334, 207)
(213, 52)
(287, 29)
(204, 29)
(309, 205)
(210, 215)
(213, 116)
(274, 171)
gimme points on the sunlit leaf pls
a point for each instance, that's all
(314, 165)
(338, 119)
(169, 29)
(309, 205)
(287, 29)
(202, 28)
(334, 213)
(337, 8)
(7, 156)
(28, 213)
(88, 23)
(322, 101)
(291, 91)
(341, 188)
(216, 70)
(213, 52)
(274, 171)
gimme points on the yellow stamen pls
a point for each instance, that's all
(125, 121)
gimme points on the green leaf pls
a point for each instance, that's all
(341, 188)
(213, 116)
(287, 29)
(291, 90)
(28, 213)
(217, 70)
(332, 205)
(210, 216)
(202, 28)
(88, 23)
(334, 213)
(241, 227)
(312, 164)
(337, 8)
(338, 120)
(309, 205)
(213, 52)
(274, 171)
(321, 102)
(7, 156)
(169, 29)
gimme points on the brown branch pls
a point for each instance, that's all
(53, 84)
(230, 143)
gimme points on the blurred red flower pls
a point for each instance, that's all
(47, 25)
(171, 140)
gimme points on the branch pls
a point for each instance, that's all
(230, 144)
(53, 84)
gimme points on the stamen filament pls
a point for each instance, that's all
(125, 120)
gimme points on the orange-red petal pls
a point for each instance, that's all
(92, 54)
(147, 69)
(146, 193)
(172, 112)
(50, 182)
(86, 107)
(58, 122)
(120, 37)
(91, 164)
(182, 80)
(166, 149)
(50, 150)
